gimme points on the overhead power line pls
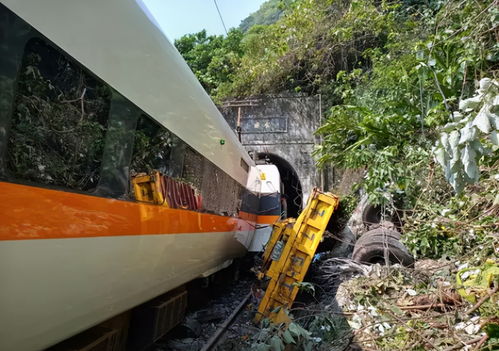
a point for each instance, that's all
(221, 19)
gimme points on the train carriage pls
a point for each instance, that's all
(96, 108)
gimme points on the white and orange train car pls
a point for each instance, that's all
(93, 96)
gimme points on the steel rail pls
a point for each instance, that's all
(213, 341)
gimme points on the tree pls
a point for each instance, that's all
(213, 59)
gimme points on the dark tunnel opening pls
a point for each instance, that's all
(291, 183)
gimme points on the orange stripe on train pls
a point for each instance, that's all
(266, 219)
(28, 212)
(259, 219)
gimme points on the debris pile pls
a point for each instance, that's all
(439, 304)
(361, 307)
(396, 308)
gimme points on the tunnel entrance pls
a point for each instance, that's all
(292, 190)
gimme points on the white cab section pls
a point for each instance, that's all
(268, 179)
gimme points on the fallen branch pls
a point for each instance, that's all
(423, 307)
(459, 347)
(481, 342)
(483, 299)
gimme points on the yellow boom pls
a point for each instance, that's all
(289, 252)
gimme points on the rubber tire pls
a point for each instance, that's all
(380, 231)
(370, 249)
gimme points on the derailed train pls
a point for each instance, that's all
(92, 96)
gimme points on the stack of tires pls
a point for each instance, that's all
(381, 242)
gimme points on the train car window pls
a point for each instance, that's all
(59, 121)
(123, 116)
(14, 33)
(193, 168)
(156, 148)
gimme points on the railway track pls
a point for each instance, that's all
(215, 339)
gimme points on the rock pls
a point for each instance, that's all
(345, 244)
(356, 223)
(187, 344)
(204, 316)
(192, 327)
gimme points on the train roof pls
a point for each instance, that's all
(119, 41)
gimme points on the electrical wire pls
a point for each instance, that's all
(220, 15)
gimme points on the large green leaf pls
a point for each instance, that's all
(468, 133)
(276, 344)
(469, 162)
(482, 122)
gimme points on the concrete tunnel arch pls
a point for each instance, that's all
(291, 182)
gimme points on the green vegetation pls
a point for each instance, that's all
(398, 80)
(213, 59)
(268, 13)
(412, 97)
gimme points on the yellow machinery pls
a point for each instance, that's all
(288, 255)
(162, 190)
(147, 188)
